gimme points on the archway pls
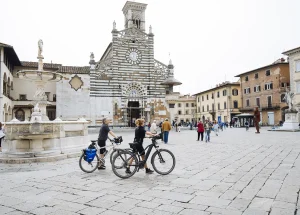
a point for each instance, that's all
(134, 96)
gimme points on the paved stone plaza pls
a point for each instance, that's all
(239, 172)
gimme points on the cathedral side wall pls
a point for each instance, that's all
(72, 104)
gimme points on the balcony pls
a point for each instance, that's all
(283, 89)
(274, 106)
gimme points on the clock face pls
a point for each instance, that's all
(133, 56)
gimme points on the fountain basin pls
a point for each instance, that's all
(43, 141)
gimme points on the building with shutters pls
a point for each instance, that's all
(294, 62)
(182, 107)
(265, 88)
(220, 103)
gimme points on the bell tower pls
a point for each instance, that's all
(134, 15)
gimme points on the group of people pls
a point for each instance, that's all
(139, 135)
(206, 128)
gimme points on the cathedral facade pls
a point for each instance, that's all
(127, 82)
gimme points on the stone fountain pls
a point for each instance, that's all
(41, 139)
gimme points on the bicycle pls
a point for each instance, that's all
(124, 159)
(87, 159)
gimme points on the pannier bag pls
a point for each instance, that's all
(89, 154)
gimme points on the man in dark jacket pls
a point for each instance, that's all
(256, 119)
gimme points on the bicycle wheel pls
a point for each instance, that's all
(163, 161)
(113, 153)
(88, 167)
(121, 161)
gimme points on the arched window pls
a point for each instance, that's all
(8, 87)
(4, 84)
(235, 104)
(137, 23)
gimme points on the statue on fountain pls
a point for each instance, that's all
(289, 100)
(40, 44)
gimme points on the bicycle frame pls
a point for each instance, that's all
(148, 150)
(108, 151)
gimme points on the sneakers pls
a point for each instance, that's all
(101, 167)
(128, 171)
(149, 171)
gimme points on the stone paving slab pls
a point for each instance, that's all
(237, 173)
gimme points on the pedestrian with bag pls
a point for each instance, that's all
(200, 130)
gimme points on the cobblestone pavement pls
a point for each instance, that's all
(238, 172)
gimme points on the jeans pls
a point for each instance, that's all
(166, 136)
(207, 135)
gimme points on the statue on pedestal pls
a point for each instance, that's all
(92, 56)
(289, 99)
(40, 44)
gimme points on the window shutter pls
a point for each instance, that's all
(244, 91)
(249, 90)
(259, 88)
(271, 86)
(254, 89)
(265, 87)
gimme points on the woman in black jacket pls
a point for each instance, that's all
(140, 134)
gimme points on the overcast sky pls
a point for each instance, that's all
(208, 40)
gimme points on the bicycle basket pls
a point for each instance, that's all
(90, 154)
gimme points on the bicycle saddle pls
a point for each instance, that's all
(94, 141)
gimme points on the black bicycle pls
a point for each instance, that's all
(162, 160)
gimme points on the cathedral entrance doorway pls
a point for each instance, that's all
(133, 112)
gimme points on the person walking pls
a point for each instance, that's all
(2, 135)
(153, 127)
(166, 127)
(207, 127)
(247, 125)
(161, 129)
(103, 135)
(200, 130)
(216, 128)
(176, 126)
(256, 119)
